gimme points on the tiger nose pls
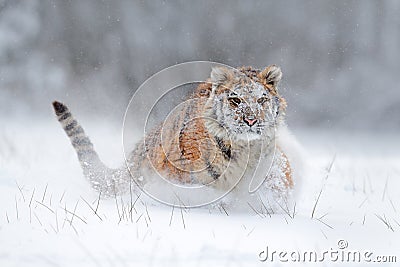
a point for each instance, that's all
(250, 120)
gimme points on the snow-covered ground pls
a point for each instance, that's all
(49, 215)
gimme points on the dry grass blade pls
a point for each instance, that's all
(44, 193)
(251, 231)
(315, 204)
(172, 214)
(323, 216)
(20, 190)
(122, 211)
(62, 196)
(16, 207)
(95, 212)
(385, 221)
(256, 211)
(183, 219)
(57, 223)
(147, 212)
(294, 210)
(47, 207)
(98, 202)
(324, 234)
(329, 169)
(385, 188)
(75, 215)
(133, 205)
(362, 203)
(37, 218)
(285, 209)
(33, 193)
(181, 202)
(223, 208)
(139, 218)
(391, 203)
(116, 204)
(263, 205)
(324, 223)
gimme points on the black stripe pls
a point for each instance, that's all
(64, 116)
(211, 171)
(75, 131)
(71, 125)
(59, 108)
(81, 141)
(188, 112)
(181, 149)
(278, 104)
(183, 128)
(226, 150)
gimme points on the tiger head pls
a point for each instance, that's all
(244, 103)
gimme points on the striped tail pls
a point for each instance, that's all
(107, 181)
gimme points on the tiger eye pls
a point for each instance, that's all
(234, 101)
(262, 100)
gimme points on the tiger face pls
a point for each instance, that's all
(244, 103)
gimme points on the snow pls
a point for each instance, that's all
(47, 217)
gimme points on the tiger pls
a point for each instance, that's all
(217, 137)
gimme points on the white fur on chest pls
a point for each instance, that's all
(249, 159)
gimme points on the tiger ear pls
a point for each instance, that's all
(220, 75)
(271, 75)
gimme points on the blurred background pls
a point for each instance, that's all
(340, 59)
